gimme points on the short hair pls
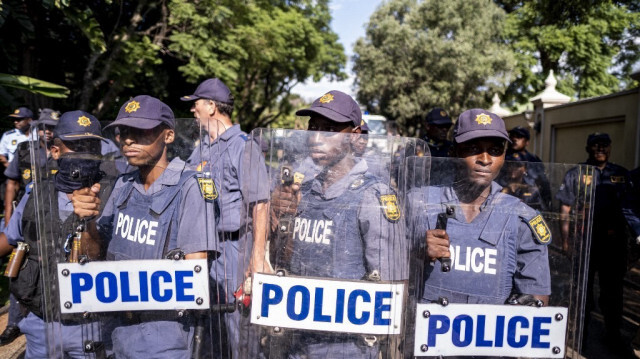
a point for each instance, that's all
(224, 107)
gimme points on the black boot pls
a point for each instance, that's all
(11, 332)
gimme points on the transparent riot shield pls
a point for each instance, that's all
(334, 278)
(129, 276)
(501, 253)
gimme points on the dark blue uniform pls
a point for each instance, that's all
(439, 149)
(492, 257)
(608, 243)
(347, 231)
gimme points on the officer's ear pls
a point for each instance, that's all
(212, 108)
(169, 136)
(56, 149)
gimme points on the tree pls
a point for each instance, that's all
(261, 49)
(590, 45)
(108, 50)
(419, 55)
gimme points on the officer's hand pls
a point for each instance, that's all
(437, 244)
(284, 201)
(86, 202)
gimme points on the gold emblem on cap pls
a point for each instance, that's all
(443, 114)
(483, 119)
(55, 115)
(84, 121)
(17, 111)
(326, 98)
(132, 106)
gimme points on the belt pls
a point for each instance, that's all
(151, 316)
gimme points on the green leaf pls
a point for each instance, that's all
(34, 85)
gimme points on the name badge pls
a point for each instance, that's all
(327, 305)
(133, 285)
(490, 330)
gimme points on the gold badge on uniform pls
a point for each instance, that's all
(326, 98)
(84, 121)
(390, 207)
(14, 142)
(26, 174)
(54, 171)
(132, 106)
(586, 179)
(208, 189)
(618, 179)
(540, 230)
(483, 119)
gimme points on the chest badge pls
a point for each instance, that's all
(26, 174)
(201, 166)
(390, 207)
(208, 189)
(540, 230)
(14, 142)
(586, 179)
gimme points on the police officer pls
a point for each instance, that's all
(355, 213)
(437, 126)
(481, 223)
(22, 118)
(517, 150)
(235, 162)
(18, 176)
(70, 138)
(159, 192)
(19, 171)
(535, 175)
(608, 240)
(516, 184)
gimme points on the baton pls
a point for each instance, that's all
(442, 224)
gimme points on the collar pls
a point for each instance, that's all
(169, 177)
(451, 198)
(342, 184)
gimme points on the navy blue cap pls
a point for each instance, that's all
(212, 89)
(78, 125)
(144, 112)
(476, 123)
(438, 116)
(598, 137)
(22, 112)
(520, 132)
(336, 106)
(47, 117)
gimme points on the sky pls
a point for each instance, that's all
(349, 18)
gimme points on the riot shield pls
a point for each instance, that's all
(502, 269)
(133, 280)
(336, 277)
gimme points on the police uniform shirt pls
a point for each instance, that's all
(195, 232)
(9, 142)
(14, 228)
(242, 176)
(494, 255)
(14, 171)
(384, 243)
(612, 186)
